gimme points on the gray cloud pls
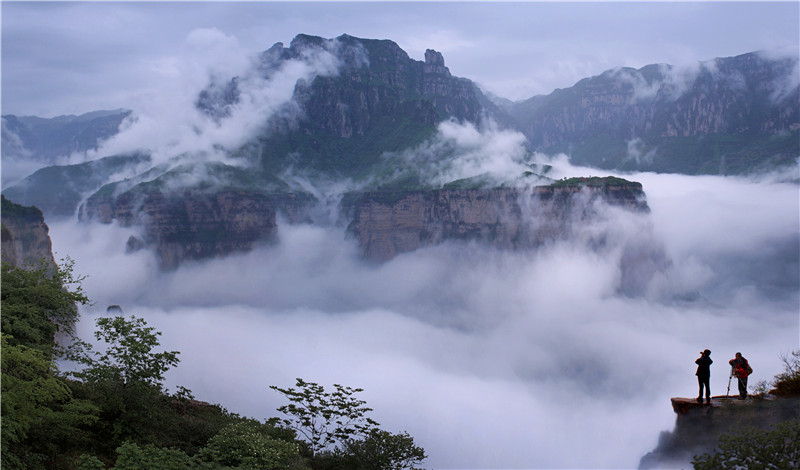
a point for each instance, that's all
(490, 359)
(69, 58)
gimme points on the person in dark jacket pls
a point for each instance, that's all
(704, 375)
(741, 369)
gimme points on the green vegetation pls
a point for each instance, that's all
(59, 189)
(594, 181)
(713, 154)
(778, 449)
(787, 383)
(324, 418)
(114, 411)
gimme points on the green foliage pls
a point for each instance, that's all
(38, 301)
(777, 449)
(129, 357)
(248, 445)
(594, 181)
(382, 450)
(38, 407)
(325, 418)
(692, 155)
(89, 462)
(35, 404)
(133, 457)
(359, 157)
(787, 383)
(59, 189)
(125, 381)
(119, 412)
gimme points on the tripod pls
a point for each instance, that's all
(729, 383)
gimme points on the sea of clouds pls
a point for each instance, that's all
(489, 358)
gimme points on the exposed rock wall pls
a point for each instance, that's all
(25, 235)
(191, 226)
(390, 223)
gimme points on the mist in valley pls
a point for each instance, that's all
(489, 358)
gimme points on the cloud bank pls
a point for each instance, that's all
(168, 123)
(490, 359)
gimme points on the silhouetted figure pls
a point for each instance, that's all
(704, 375)
(741, 369)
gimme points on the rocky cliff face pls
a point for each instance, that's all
(390, 223)
(380, 100)
(193, 225)
(377, 80)
(699, 427)
(25, 236)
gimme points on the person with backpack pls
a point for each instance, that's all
(704, 375)
(741, 369)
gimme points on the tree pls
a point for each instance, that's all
(777, 449)
(38, 301)
(125, 381)
(382, 450)
(787, 383)
(129, 357)
(40, 416)
(37, 407)
(325, 418)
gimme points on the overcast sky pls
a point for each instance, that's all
(70, 58)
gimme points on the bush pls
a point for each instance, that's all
(787, 383)
(775, 449)
(248, 445)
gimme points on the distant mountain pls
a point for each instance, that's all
(54, 137)
(58, 190)
(726, 116)
(350, 125)
(30, 142)
(370, 120)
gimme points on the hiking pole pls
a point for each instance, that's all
(729, 383)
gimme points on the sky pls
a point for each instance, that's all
(69, 58)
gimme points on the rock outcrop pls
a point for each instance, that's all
(698, 427)
(389, 223)
(197, 225)
(25, 236)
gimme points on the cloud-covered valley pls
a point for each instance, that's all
(489, 358)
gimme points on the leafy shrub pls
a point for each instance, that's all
(787, 383)
(248, 445)
(774, 449)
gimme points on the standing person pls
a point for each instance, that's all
(704, 375)
(741, 369)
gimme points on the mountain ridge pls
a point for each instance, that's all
(364, 117)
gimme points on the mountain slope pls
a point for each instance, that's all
(727, 116)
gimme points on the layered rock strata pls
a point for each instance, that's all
(25, 235)
(390, 223)
(192, 226)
